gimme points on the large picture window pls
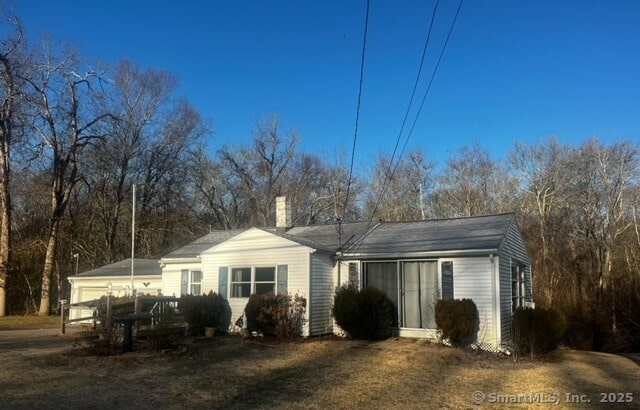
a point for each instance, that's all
(248, 280)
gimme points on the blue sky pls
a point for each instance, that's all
(512, 71)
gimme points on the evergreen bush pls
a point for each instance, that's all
(365, 314)
(278, 316)
(200, 311)
(458, 320)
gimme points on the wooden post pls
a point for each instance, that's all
(137, 310)
(62, 329)
(109, 309)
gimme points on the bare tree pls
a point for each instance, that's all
(63, 94)
(10, 94)
(260, 172)
(601, 189)
(139, 101)
(472, 184)
(398, 190)
(541, 169)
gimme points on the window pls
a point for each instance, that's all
(259, 280)
(196, 282)
(190, 282)
(265, 280)
(517, 286)
(240, 282)
(353, 274)
(447, 280)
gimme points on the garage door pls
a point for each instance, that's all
(86, 294)
(91, 293)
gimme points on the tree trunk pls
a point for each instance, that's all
(5, 236)
(47, 272)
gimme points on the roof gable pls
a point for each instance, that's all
(256, 239)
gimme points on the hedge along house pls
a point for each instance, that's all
(414, 263)
(116, 277)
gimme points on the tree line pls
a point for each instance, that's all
(75, 136)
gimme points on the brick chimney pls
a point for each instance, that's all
(283, 213)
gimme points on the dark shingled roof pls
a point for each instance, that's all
(141, 267)
(436, 235)
(326, 236)
(388, 238)
(195, 248)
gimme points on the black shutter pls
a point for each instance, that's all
(447, 280)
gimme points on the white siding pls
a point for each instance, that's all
(322, 289)
(171, 273)
(252, 248)
(472, 279)
(513, 251)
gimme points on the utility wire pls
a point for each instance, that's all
(433, 75)
(355, 132)
(415, 87)
(388, 175)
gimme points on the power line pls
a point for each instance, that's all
(424, 98)
(389, 175)
(433, 75)
(390, 168)
(355, 132)
(415, 86)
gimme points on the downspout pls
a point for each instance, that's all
(310, 296)
(496, 300)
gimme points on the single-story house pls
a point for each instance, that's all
(115, 278)
(483, 258)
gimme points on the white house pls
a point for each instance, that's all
(415, 263)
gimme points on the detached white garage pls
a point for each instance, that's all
(95, 283)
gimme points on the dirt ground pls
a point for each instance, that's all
(41, 369)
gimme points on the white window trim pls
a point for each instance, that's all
(519, 298)
(253, 281)
(190, 282)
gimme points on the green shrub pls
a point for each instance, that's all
(458, 320)
(278, 316)
(345, 308)
(365, 314)
(200, 311)
(536, 331)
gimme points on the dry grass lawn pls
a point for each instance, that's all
(232, 372)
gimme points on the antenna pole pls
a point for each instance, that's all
(133, 234)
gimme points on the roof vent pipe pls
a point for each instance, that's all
(283, 213)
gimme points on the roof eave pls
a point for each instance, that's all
(180, 259)
(135, 275)
(431, 254)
